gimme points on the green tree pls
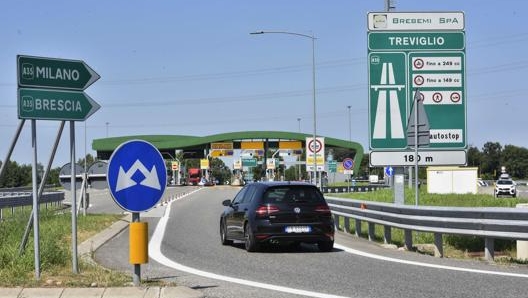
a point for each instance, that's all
(474, 157)
(219, 170)
(89, 160)
(515, 159)
(491, 158)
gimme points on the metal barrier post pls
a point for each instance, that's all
(371, 233)
(439, 245)
(387, 234)
(489, 248)
(358, 227)
(346, 227)
(407, 234)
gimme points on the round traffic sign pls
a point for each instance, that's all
(136, 176)
(455, 97)
(437, 97)
(315, 147)
(418, 80)
(348, 163)
(418, 63)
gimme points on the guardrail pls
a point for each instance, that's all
(26, 199)
(487, 222)
(361, 188)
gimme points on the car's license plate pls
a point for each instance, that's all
(298, 229)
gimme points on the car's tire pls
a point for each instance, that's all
(223, 234)
(250, 242)
(325, 246)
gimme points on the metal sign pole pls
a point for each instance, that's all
(416, 123)
(137, 267)
(35, 199)
(75, 268)
(23, 243)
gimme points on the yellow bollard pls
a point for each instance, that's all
(138, 243)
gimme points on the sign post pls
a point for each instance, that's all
(51, 89)
(407, 51)
(137, 179)
(315, 156)
(348, 165)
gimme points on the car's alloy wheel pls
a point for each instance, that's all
(251, 244)
(223, 234)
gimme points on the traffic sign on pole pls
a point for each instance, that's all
(42, 72)
(50, 104)
(315, 150)
(348, 163)
(136, 176)
(410, 51)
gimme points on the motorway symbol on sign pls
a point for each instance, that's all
(136, 176)
(41, 72)
(387, 100)
(55, 104)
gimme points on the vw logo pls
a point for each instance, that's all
(297, 210)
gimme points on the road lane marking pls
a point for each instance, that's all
(156, 254)
(414, 263)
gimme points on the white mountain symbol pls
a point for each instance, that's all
(124, 179)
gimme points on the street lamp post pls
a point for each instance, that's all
(312, 37)
(299, 157)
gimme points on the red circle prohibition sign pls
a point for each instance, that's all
(455, 97)
(418, 63)
(437, 97)
(318, 146)
(419, 80)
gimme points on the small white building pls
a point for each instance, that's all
(445, 180)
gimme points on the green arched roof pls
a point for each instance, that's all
(181, 142)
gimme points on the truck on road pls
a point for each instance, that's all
(193, 176)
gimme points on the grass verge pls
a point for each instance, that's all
(55, 252)
(455, 246)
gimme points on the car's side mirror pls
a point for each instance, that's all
(226, 203)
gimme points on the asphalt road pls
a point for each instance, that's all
(365, 270)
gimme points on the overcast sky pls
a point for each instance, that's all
(192, 68)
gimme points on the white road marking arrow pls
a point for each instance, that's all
(124, 179)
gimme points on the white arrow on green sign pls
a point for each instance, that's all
(43, 72)
(55, 104)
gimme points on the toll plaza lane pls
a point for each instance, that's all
(356, 267)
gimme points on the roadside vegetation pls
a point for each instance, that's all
(55, 252)
(454, 245)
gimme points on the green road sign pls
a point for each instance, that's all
(332, 166)
(401, 62)
(55, 105)
(41, 72)
(249, 162)
(402, 41)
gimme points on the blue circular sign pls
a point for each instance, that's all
(136, 176)
(348, 163)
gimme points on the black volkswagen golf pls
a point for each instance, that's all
(277, 212)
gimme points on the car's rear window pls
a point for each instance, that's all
(292, 194)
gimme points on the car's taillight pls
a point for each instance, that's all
(322, 209)
(266, 210)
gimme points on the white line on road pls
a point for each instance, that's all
(156, 254)
(382, 258)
